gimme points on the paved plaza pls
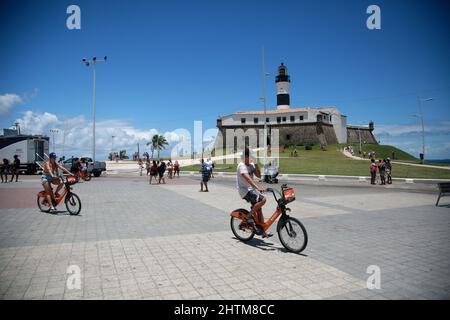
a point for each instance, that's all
(138, 241)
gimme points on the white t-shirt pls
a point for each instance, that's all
(243, 186)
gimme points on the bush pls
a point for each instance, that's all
(308, 147)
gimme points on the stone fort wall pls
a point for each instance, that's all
(366, 136)
(289, 134)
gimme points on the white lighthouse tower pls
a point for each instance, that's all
(283, 82)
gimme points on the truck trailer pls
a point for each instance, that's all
(29, 148)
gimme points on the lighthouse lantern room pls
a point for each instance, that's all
(283, 82)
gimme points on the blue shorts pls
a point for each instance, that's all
(47, 178)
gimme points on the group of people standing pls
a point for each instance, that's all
(384, 169)
(157, 170)
(10, 168)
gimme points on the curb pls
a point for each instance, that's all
(293, 176)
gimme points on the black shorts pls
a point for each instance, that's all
(253, 197)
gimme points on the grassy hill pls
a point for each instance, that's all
(332, 162)
(384, 151)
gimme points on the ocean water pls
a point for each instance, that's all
(439, 161)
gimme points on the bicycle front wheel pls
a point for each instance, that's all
(87, 177)
(73, 204)
(292, 235)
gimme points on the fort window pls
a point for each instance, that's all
(288, 137)
(278, 119)
(267, 119)
(242, 120)
(255, 120)
(284, 119)
(301, 118)
(292, 118)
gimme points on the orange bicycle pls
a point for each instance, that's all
(86, 176)
(291, 232)
(72, 201)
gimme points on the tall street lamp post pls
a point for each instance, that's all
(53, 131)
(94, 63)
(264, 99)
(421, 101)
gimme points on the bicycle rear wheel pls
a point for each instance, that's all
(87, 176)
(42, 203)
(292, 235)
(240, 231)
(73, 204)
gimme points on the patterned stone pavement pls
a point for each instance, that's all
(136, 241)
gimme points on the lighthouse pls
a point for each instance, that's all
(283, 82)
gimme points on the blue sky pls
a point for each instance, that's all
(173, 62)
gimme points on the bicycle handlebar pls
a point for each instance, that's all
(273, 192)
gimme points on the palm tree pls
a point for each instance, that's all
(157, 143)
(153, 143)
(161, 144)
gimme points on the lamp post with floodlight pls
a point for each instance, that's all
(420, 115)
(94, 63)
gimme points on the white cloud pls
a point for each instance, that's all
(9, 101)
(78, 134)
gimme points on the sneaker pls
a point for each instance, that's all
(267, 235)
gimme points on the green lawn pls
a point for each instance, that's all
(333, 162)
(383, 151)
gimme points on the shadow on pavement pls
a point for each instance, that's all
(266, 246)
(62, 213)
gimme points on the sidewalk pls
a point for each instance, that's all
(336, 178)
(132, 166)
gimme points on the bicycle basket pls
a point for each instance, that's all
(71, 180)
(288, 194)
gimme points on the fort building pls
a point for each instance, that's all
(295, 126)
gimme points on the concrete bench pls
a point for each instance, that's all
(444, 190)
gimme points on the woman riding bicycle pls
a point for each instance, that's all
(51, 175)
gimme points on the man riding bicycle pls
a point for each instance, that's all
(51, 175)
(248, 189)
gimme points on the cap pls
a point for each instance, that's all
(52, 155)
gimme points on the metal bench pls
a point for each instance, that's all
(444, 190)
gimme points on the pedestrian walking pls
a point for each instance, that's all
(169, 169)
(205, 176)
(176, 169)
(161, 171)
(141, 166)
(382, 171)
(373, 171)
(5, 170)
(210, 164)
(15, 168)
(153, 171)
(388, 171)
